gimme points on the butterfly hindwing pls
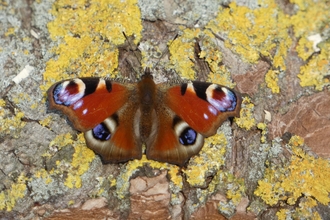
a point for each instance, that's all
(175, 141)
(117, 139)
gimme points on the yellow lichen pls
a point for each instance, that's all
(43, 174)
(61, 140)
(11, 125)
(296, 141)
(34, 105)
(176, 178)
(304, 48)
(210, 161)
(282, 214)
(213, 56)
(9, 197)
(97, 27)
(315, 71)
(183, 53)
(263, 128)
(71, 202)
(81, 160)
(2, 103)
(10, 31)
(22, 97)
(134, 165)
(211, 157)
(236, 189)
(113, 182)
(271, 79)
(310, 18)
(246, 119)
(46, 121)
(304, 176)
(303, 211)
(247, 32)
(221, 76)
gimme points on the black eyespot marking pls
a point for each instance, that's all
(108, 85)
(188, 136)
(115, 118)
(101, 132)
(184, 88)
(176, 120)
(200, 89)
(91, 84)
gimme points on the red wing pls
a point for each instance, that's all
(173, 141)
(87, 101)
(114, 139)
(204, 106)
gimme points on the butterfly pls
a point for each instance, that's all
(171, 120)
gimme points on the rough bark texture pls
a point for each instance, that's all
(35, 172)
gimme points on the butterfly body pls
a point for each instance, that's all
(117, 119)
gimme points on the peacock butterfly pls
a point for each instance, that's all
(171, 120)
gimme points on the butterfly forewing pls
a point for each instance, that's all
(204, 106)
(87, 101)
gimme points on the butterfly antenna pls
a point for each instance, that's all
(130, 45)
(137, 73)
(166, 50)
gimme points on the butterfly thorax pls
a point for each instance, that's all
(147, 96)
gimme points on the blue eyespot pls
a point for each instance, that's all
(67, 93)
(101, 132)
(188, 136)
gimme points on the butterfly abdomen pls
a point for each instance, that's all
(146, 90)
